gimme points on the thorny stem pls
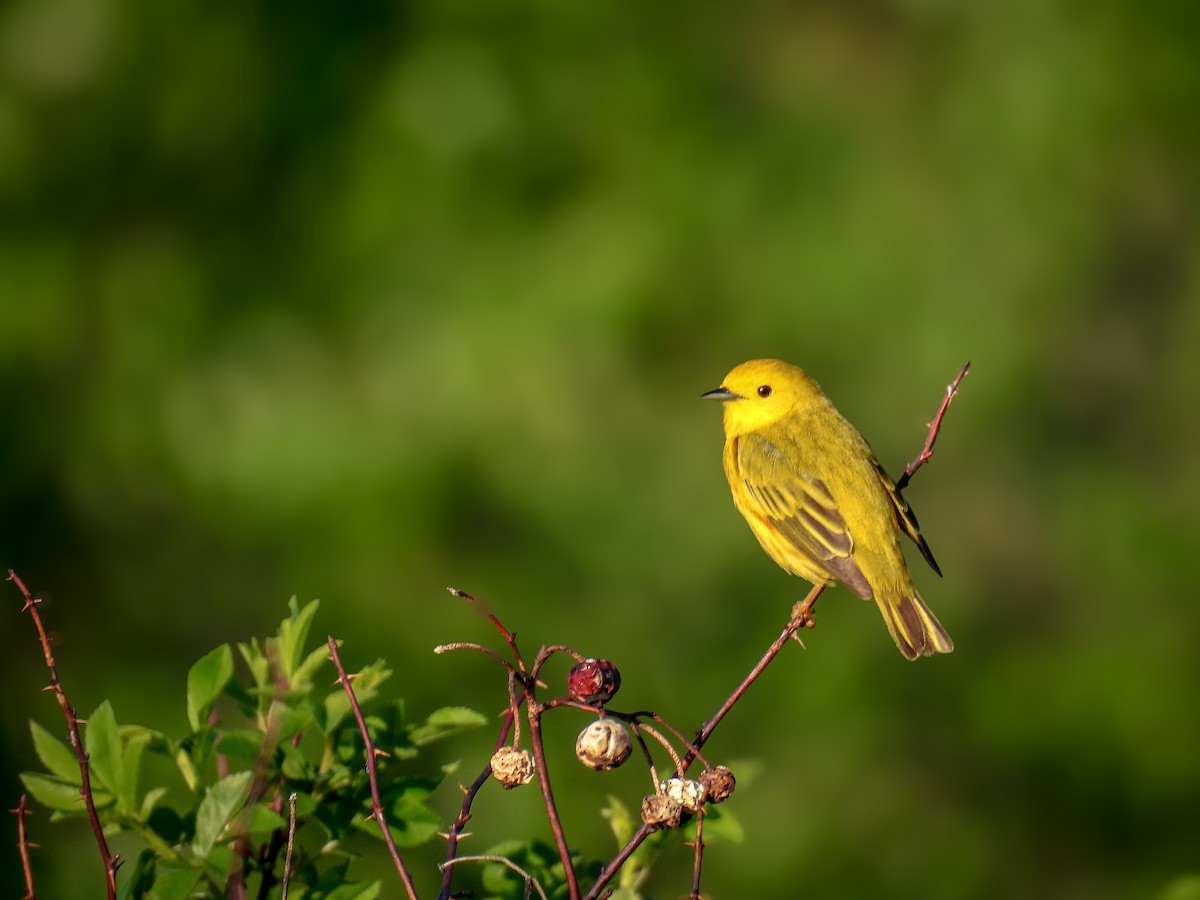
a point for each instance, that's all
(934, 427)
(798, 620)
(23, 846)
(534, 711)
(456, 832)
(372, 772)
(622, 857)
(510, 637)
(801, 617)
(111, 862)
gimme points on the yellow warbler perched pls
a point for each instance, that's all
(817, 499)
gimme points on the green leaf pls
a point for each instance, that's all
(174, 885)
(1185, 887)
(102, 741)
(150, 801)
(138, 881)
(409, 817)
(53, 792)
(134, 741)
(366, 685)
(258, 664)
(55, 755)
(219, 805)
(444, 722)
(620, 820)
(257, 820)
(292, 720)
(719, 825)
(314, 661)
(293, 634)
(205, 681)
(187, 768)
(362, 890)
(240, 745)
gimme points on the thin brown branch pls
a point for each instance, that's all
(799, 619)
(458, 826)
(614, 866)
(641, 741)
(934, 427)
(111, 861)
(23, 846)
(372, 770)
(666, 745)
(679, 737)
(534, 712)
(510, 637)
(546, 652)
(699, 857)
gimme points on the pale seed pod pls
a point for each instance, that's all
(603, 745)
(512, 767)
(687, 792)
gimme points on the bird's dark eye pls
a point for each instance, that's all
(764, 391)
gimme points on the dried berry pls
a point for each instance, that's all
(603, 745)
(512, 767)
(660, 811)
(593, 681)
(718, 783)
(687, 792)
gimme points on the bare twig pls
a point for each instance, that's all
(510, 637)
(372, 771)
(530, 881)
(798, 621)
(458, 826)
(666, 745)
(699, 857)
(534, 711)
(801, 618)
(291, 837)
(615, 864)
(23, 846)
(111, 861)
(934, 427)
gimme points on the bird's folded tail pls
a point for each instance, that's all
(915, 629)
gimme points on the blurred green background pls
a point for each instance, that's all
(356, 301)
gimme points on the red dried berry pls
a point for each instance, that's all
(593, 681)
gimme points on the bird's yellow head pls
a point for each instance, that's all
(762, 391)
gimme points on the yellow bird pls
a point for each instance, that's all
(816, 498)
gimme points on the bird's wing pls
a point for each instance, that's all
(905, 516)
(800, 509)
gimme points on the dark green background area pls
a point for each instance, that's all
(356, 301)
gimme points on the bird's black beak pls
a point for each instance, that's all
(722, 393)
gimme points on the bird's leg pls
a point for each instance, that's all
(802, 612)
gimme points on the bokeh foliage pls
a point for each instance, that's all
(359, 300)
